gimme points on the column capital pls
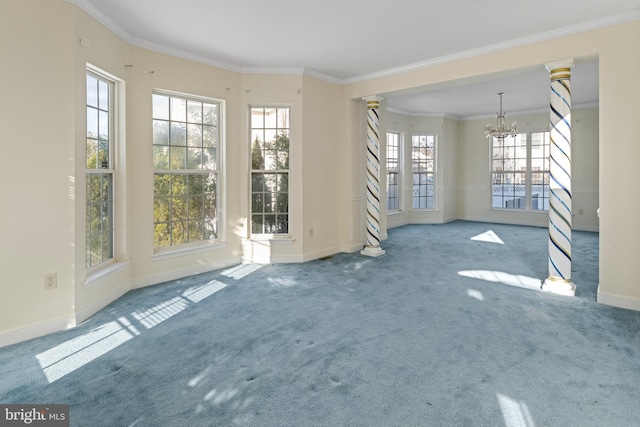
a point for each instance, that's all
(373, 101)
(565, 63)
(560, 69)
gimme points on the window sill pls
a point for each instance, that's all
(396, 212)
(103, 273)
(177, 251)
(521, 211)
(272, 239)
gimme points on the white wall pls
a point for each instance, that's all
(619, 172)
(37, 213)
(322, 177)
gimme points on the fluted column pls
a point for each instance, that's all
(559, 280)
(373, 178)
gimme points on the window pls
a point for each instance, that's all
(100, 170)
(423, 151)
(186, 147)
(270, 130)
(393, 171)
(540, 171)
(520, 172)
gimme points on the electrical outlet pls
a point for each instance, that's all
(50, 281)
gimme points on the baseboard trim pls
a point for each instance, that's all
(38, 330)
(620, 301)
(321, 253)
(155, 279)
(101, 303)
(352, 248)
(516, 221)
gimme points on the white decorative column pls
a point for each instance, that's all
(373, 178)
(559, 280)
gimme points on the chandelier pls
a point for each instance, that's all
(501, 130)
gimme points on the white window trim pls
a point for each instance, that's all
(399, 173)
(166, 252)
(284, 238)
(118, 152)
(435, 172)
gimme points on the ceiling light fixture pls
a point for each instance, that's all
(501, 131)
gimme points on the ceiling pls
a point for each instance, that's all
(354, 40)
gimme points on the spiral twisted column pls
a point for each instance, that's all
(372, 247)
(559, 280)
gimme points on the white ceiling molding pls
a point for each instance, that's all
(530, 112)
(125, 35)
(89, 8)
(549, 35)
(458, 100)
(413, 114)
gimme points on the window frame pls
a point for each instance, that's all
(269, 236)
(433, 173)
(397, 173)
(528, 173)
(217, 172)
(112, 170)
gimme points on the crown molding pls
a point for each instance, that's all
(321, 76)
(88, 7)
(523, 41)
(418, 114)
(179, 53)
(529, 112)
(485, 116)
(296, 71)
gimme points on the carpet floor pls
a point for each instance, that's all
(448, 328)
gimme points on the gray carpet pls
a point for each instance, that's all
(443, 330)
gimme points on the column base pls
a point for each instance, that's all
(559, 286)
(373, 251)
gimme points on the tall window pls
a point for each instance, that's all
(100, 170)
(540, 171)
(423, 152)
(270, 130)
(393, 171)
(520, 172)
(186, 143)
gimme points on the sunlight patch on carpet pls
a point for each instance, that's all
(198, 293)
(71, 355)
(515, 413)
(282, 282)
(202, 375)
(161, 312)
(77, 352)
(516, 280)
(242, 270)
(488, 236)
(475, 294)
